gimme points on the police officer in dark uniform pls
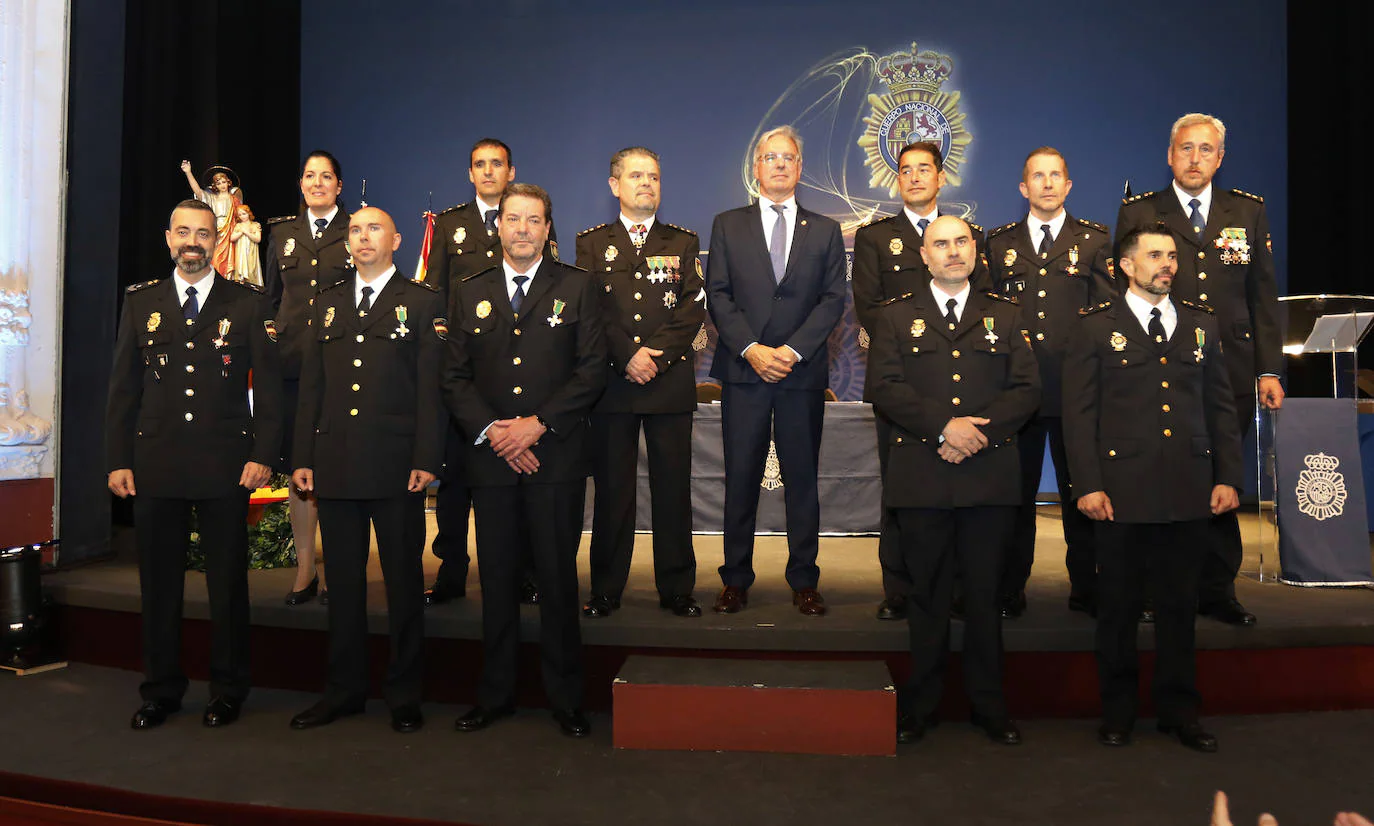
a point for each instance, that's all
(180, 434)
(887, 264)
(655, 303)
(957, 381)
(306, 253)
(369, 441)
(1055, 265)
(1154, 454)
(466, 243)
(527, 360)
(1224, 261)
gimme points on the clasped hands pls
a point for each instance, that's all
(641, 368)
(962, 438)
(511, 439)
(773, 364)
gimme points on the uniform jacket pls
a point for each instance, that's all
(1076, 273)
(887, 264)
(299, 267)
(370, 409)
(926, 374)
(653, 297)
(463, 247)
(747, 305)
(1230, 267)
(551, 363)
(1152, 425)
(178, 412)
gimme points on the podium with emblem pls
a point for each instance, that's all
(1312, 453)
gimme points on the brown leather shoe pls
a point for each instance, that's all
(809, 601)
(731, 600)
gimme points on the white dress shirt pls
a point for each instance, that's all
(1204, 201)
(789, 214)
(1033, 225)
(647, 222)
(202, 288)
(942, 299)
(916, 219)
(328, 219)
(377, 284)
(511, 275)
(1140, 308)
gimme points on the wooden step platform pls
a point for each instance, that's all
(800, 707)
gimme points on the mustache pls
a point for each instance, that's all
(182, 250)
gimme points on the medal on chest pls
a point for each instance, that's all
(1201, 342)
(224, 325)
(401, 314)
(988, 322)
(556, 319)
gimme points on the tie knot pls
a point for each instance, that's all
(1154, 312)
(779, 209)
(190, 292)
(1045, 228)
(367, 291)
(489, 218)
(1195, 203)
(951, 304)
(922, 224)
(520, 281)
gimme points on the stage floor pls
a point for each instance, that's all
(1288, 616)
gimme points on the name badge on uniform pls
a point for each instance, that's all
(556, 319)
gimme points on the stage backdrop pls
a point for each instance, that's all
(400, 90)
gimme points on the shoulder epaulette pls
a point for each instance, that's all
(1093, 225)
(896, 298)
(133, 288)
(476, 274)
(875, 221)
(425, 284)
(454, 208)
(593, 229)
(1252, 196)
(1001, 229)
(1095, 308)
(1135, 198)
(246, 284)
(1196, 305)
(573, 266)
(280, 219)
(337, 284)
(974, 226)
(1010, 299)
(678, 228)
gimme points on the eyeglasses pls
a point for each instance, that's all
(787, 159)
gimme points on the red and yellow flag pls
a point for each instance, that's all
(421, 270)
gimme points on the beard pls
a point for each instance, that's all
(191, 266)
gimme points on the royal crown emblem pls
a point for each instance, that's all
(1321, 489)
(914, 109)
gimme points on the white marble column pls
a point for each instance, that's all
(33, 106)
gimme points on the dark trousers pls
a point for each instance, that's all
(936, 543)
(163, 534)
(451, 505)
(553, 513)
(668, 442)
(750, 414)
(1217, 581)
(1167, 556)
(1079, 557)
(399, 522)
(896, 582)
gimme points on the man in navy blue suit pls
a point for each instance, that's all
(775, 284)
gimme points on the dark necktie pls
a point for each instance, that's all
(637, 235)
(1199, 223)
(320, 224)
(1156, 327)
(777, 252)
(921, 226)
(1045, 241)
(191, 308)
(950, 317)
(366, 303)
(489, 218)
(518, 297)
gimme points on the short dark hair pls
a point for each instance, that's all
(618, 159)
(1131, 240)
(930, 147)
(192, 203)
(1044, 150)
(528, 191)
(320, 153)
(494, 144)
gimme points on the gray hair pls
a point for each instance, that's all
(618, 159)
(787, 131)
(1197, 119)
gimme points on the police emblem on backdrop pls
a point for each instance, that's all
(914, 109)
(1321, 489)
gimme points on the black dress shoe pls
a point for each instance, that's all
(1014, 606)
(479, 717)
(324, 597)
(683, 605)
(153, 713)
(442, 593)
(598, 607)
(998, 729)
(1192, 735)
(572, 722)
(1083, 604)
(1230, 612)
(911, 729)
(892, 609)
(1112, 735)
(323, 713)
(221, 712)
(407, 719)
(305, 594)
(529, 593)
